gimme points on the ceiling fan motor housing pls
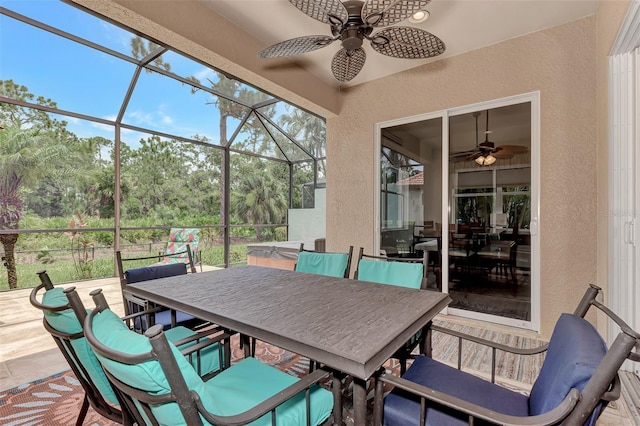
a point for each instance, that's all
(354, 30)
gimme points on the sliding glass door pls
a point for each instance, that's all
(477, 161)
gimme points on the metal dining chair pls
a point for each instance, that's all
(159, 387)
(324, 263)
(398, 271)
(168, 318)
(578, 378)
(64, 314)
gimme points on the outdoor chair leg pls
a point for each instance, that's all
(83, 411)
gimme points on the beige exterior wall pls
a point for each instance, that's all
(566, 64)
(560, 63)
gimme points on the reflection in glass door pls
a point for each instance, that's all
(489, 244)
(411, 194)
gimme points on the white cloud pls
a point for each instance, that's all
(204, 74)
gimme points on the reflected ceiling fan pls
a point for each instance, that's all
(354, 21)
(486, 153)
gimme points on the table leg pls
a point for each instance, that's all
(359, 402)
(246, 344)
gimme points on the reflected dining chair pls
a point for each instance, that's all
(578, 378)
(399, 271)
(159, 387)
(64, 313)
(324, 263)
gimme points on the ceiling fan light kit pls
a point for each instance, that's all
(485, 161)
(354, 21)
(419, 17)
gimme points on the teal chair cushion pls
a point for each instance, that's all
(147, 376)
(209, 357)
(329, 264)
(234, 390)
(250, 382)
(66, 322)
(402, 274)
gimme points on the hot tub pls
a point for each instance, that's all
(281, 255)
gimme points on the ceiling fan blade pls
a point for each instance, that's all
(330, 12)
(346, 65)
(463, 154)
(508, 151)
(381, 13)
(407, 42)
(296, 46)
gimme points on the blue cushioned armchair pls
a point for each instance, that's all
(577, 380)
(159, 387)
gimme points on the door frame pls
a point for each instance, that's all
(534, 99)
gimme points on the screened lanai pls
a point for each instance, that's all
(110, 139)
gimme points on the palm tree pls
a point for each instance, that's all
(24, 156)
(307, 129)
(260, 199)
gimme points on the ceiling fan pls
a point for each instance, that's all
(486, 152)
(354, 21)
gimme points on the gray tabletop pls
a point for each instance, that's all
(352, 326)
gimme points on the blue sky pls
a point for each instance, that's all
(87, 81)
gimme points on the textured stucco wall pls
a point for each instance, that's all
(560, 63)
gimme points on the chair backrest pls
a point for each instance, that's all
(146, 273)
(150, 261)
(573, 355)
(152, 376)
(400, 271)
(324, 263)
(577, 357)
(63, 324)
(179, 238)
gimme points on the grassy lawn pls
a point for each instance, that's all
(64, 270)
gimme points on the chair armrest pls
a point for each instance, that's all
(491, 344)
(213, 335)
(267, 405)
(141, 313)
(552, 417)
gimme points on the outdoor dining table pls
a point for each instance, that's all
(348, 325)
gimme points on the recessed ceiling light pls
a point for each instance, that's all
(419, 16)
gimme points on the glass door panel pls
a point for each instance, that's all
(489, 249)
(411, 193)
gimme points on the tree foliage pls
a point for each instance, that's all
(47, 171)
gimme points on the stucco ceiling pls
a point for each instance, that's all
(463, 25)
